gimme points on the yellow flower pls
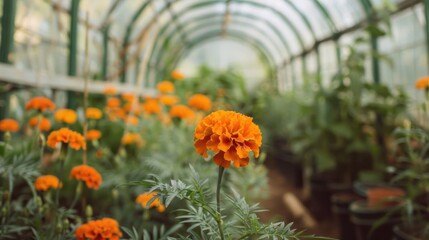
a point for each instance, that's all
(165, 87)
(93, 113)
(66, 116)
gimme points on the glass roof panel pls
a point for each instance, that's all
(97, 10)
(314, 16)
(345, 13)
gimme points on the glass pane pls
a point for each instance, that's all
(345, 13)
(315, 17)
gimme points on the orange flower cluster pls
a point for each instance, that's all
(65, 115)
(9, 125)
(230, 135)
(44, 125)
(151, 106)
(169, 100)
(200, 102)
(65, 135)
(177, 75)
(103, 229)
(87, 174)
(132, 138)
(113, 103)
(128, 96)
(109, 90)
(145, 198)
(40, 103)
(422, 83)
(165, 87)
(182, 112)
(93, 113)
(43, 183)
(132, 120)
(93, 134)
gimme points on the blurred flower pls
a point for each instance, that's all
(44, 125)
(113, 103)
(200, 102)
(168, 100)
(43, 183)
(65, 115)
(230, 135)
(93, 113)
(182, 112)
(132, 120)
(93, 134)
(132, 138)
(40, 103)
(116, 113)
(65, 135)
(128, 96)
(109, 90)
(9, 125)
(422, 83)
(151, 106)
(165, 87)
(87, 174)
(104, 229)
(177, 75)
(145, 198)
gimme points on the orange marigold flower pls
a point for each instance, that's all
(146, 197)
(109, 90)
(67, 136)
(151, 106)
(9, 125)
(40, 104)
(87, 174)
(128, 96)
(44, 125)
(43, 183)
(113, 103)
(93, 134)
(165, 87)
(132, 138)
(422, 83)
(200, 102)
(65, 115)
(169, 100)
(103, 229)
(177, 75)
(93, 113)
(182, 111)
(116, 113)
(230, 135)
(132, 120)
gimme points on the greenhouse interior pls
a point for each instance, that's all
(214, 119)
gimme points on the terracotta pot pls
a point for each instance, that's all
(341, 207)
(384, 196)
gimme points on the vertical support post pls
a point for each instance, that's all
(338, 55)
(105, 60)
(319, 65)
(426, 2)
(6, 47)
(72, 61)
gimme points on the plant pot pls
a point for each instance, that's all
(341, 208)
(292, 169)
(400, 232)
(365, 217)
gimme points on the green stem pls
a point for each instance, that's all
(219, 218)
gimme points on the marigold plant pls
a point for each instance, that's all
(177, 75)
(65, 115)
(9, 125)
(113, 103)
(182, 112)
(132, 138)
(64, 135)
(165, 87)
(109, 90)
(422, 83)
(103, 229)
(200, 102)
(44, 124)
(40, 103)
(128, 97)
(93, 134)
(93, 113)
(151, 106)
(230, 135)
(169, 100)
(89, 175)
(146, 197)
(45, 182)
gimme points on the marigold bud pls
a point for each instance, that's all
(7, 137)
(88, 211)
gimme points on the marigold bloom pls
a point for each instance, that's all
(87, 174)
(169, 100)
(116, 113)
(9, 125)
(103, 229)
(109, 90)
(113, 103)
(151, 106)
(44, 124)
(65, 115)
(128, 96)
(93, 113)
(93, 134)
(132, 120)
(422, 83)
(43, 183)
(182, 112)
(40, 103)
(146, 197)
(230, 135)
(165, 87)
(67, 136)
(200, 102)
(177, 75)
(132, 138)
